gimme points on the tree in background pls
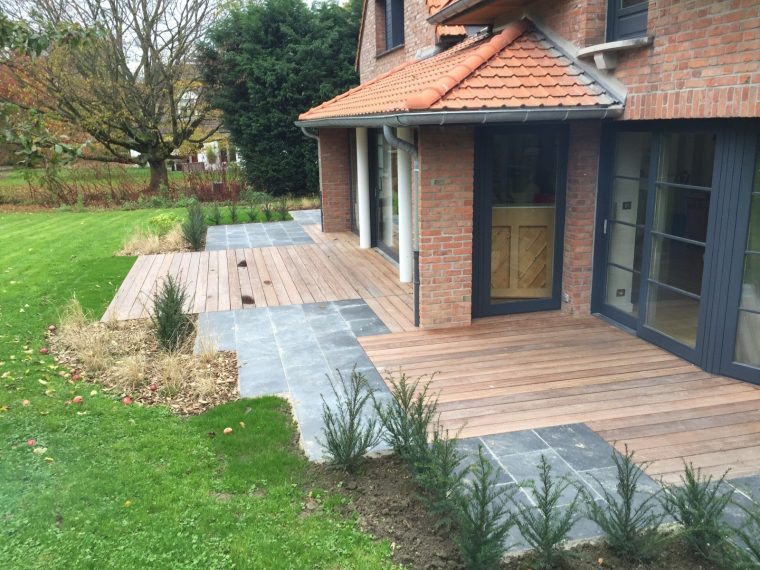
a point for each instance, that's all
(266, 63)
(134, 86)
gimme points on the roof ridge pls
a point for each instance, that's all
(436, 90)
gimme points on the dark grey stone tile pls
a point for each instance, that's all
(749, 486)
(577, 444)
(524, 467)
(599, 480)
(348, 358)
(505, 444)
(368, 327)
(357, 312)
(314, 310)
(329, 324)
(338, 340)
(310, 357)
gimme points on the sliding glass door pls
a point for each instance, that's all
(677, 256)
(385, 202)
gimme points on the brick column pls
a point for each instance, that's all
(582, 174)
(445, 213)
(335, 180)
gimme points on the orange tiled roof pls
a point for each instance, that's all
(517, 68)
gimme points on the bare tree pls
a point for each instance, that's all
(134, 87)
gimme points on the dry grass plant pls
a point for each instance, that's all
(147, 242)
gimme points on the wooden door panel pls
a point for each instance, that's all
(522, 251)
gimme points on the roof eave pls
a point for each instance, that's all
(482, 117)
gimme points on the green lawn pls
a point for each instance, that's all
(129, 487)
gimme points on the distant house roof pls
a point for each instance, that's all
(518, 69)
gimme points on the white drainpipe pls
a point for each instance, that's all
(405, 254)
(362, 187)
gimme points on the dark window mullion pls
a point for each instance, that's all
(675, 289)
(678, 238)
(684, 186)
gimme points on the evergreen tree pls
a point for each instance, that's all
(266, 63)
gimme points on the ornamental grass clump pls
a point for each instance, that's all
(234, 212)
(407, 417)
(194, 228)
(698, 504)
(348, 435)
(630, 524)
(443, 477)
(171, 324)
(215, 216)
(484, 518)
(546, 526)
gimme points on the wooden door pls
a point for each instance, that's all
(522, 251)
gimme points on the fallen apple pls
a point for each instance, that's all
(126, 400)
(76, 377)
(25, 402)
(227, 431)
(44, 350)
(153, 387)
(77, 399)
(52, 328)
(31, 442)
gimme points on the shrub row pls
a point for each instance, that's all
(481, 512)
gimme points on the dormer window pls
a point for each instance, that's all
(626, 19)
(389, 21)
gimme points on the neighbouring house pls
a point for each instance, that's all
(593, 156)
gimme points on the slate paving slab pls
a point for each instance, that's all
(270, 234)
(307, 217)
(294, 350)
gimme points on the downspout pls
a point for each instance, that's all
(410, 149)
(306, 133)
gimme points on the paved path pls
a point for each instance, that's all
(291, 350)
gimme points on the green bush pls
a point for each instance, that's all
(484, 518)
(698, 504)
(631, 530)
(162, 223)
(194, 228)
(171, 324)
(215, 216)
(748, 553)
(545, 527)
(407, 417)
(234, 212)
(347, 436)
(443, 477)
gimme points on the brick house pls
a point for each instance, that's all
(593, 156)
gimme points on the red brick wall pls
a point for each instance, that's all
(704, 61)
(582, 22)
(445, 211)
(418, 34)
(335, 180)
(582, 170)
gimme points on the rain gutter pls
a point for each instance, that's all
(438, 118)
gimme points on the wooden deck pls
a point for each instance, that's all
(331, 269)
(546, 369)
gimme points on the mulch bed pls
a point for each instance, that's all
(386, 502)
(206, 380)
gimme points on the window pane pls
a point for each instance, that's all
(750, 295)
(673, 314)
(629, 200)
(623, 290)
(748, 339)
(626, 245)
(629, 3)
(677, 264)
(387, 195)
(687, 158)
(682, 212)
(632, 154)
(524, 169)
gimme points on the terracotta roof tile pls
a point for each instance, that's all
(517, 68)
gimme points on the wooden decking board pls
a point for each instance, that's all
(331, 269)
(545, 369)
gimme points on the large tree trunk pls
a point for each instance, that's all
(158, 175)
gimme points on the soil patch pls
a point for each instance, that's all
(124, 358)
(387, 504)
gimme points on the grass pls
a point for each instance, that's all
(131, 487)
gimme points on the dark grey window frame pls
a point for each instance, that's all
(728, 225)
(626, 23)
(393, 18)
